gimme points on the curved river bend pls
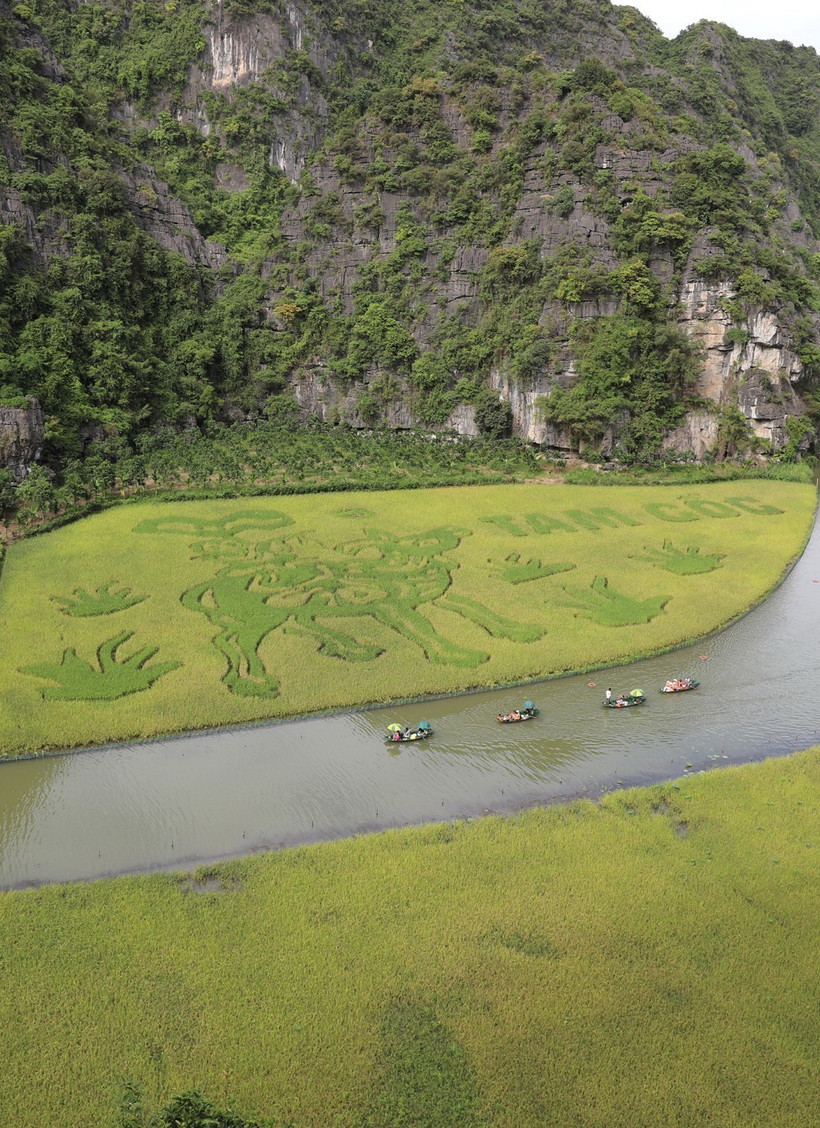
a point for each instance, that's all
(175, 803)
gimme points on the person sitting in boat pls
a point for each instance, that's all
(621, 701)
(671, 685)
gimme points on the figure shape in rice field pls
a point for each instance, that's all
(114, 677)
(103, 601)
(603, 605)
(689, 563)
(312, 589)
(516, 571)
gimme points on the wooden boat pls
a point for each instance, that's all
(682, 685)
(521, 715)
(625, 701)
(402, 736)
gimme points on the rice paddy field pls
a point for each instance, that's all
(152, 618)
(649, 960)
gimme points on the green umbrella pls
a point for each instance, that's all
(395, 728)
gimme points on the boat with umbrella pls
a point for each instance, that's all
(400, 734)
(525, 713)
(625, 700)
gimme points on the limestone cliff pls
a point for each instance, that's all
(21, 437)
(748, 356)
(755, 370)
(415, 212)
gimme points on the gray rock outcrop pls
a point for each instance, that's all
(22, 431)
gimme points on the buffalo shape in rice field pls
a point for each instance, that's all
(318, 589)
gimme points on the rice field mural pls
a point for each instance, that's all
(610, 608)
(689, 563)
(154, 618)
(111, 676)
(317, 588)
(102, 601)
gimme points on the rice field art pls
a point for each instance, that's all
(163, 617)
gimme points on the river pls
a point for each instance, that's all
(172, 804)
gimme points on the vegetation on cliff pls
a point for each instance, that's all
(398, 210)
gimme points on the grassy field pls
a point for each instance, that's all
(153, 618)
(644, 962)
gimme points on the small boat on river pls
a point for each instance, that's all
(400, 734)
(626, 700)
(525, 713)
(680, 685)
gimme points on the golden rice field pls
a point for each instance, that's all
(153, 618)
(648, 961)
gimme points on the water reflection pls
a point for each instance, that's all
(175, 802)
(27, 797)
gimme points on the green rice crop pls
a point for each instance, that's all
(151, 618)
(692, 474)
(649, 960)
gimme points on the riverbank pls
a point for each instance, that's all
(642, 960)
(149, 619)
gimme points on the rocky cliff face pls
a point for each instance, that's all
(240, 53)
(750, 365)
(166, 219)
(556, 154)
(22, 431)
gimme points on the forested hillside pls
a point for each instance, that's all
(532, 217)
